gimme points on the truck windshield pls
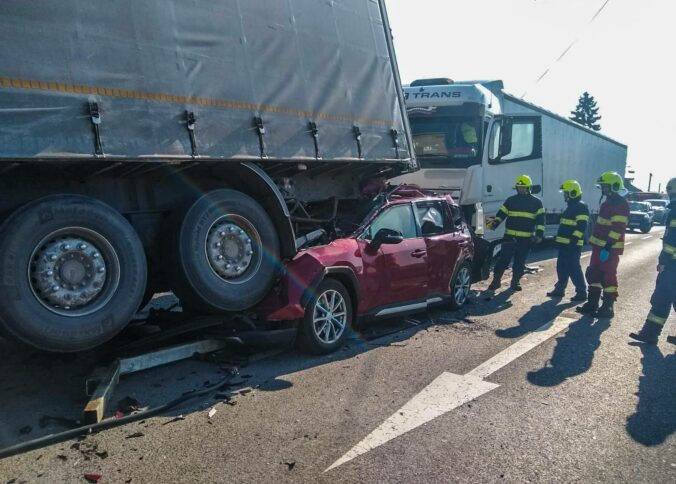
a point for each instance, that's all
(447, 141)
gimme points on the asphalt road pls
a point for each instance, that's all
(582, 405)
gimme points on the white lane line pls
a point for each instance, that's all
(646, 238)
(449, 391)
(627, 243)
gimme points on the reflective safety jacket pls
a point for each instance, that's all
(525, 216)
(668, 255)
(611, 225)
(573, 224)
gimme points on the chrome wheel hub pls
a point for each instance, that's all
(329, 316)
(69, 271)
(230, 249)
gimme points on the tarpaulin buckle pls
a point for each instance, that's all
(95, 116)
(395, 138)
(312, 126)
(191, 120)
(357, 136)
(260, 129)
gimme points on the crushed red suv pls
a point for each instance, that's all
(411, 251)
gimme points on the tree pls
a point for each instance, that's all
(586, 112)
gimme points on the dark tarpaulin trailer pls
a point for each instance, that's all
(209, 79)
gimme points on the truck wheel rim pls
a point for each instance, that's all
(462, 285)
(234, 249)
(329, 316)
(73, 271)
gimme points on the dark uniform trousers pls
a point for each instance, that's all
(517, 249)
(568, 267)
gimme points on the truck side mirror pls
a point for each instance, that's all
(386, 236)
(505, 137)
(535, 189)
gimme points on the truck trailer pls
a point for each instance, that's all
(472, 139)
(184, 146)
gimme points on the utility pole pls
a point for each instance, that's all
(650, 181)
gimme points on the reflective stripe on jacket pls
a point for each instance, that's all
(573, 224)
(525, 216)
(611, 224)
(668, 255)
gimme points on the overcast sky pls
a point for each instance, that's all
(625, 59)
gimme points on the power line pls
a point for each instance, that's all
(567, 49)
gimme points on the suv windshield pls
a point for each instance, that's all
(657, 203)
(447, 141)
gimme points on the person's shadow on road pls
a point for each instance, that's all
(573, 354)
(534, 318)
(655, 417)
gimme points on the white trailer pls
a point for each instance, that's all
(472, 139)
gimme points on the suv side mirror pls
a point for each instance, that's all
(505, 137)
(386, 236)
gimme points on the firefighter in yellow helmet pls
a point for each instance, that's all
(664, 296)
(607, 246)
(525, 224)
(570, 239)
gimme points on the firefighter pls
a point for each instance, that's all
(607, 246)
(664, 296)
(525, 225)
(570, 239)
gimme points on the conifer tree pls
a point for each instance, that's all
(586, 112)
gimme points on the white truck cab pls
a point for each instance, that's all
(473, 140)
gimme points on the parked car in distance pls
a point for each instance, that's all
(640, 216)
(660, 209)
(413, 250)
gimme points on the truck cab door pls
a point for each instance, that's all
(513, 148)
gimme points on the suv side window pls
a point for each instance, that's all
(433, 218)
(399, 218)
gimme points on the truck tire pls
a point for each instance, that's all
(321, 335)
(72, 273)
(223, 253)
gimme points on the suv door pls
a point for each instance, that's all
(444, 243)
(395, 273)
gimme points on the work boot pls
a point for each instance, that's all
(579, 297)
(592, 304)
(556, 293)
(650, 333)
(515, 286)
(671, 339)
(495, 285)
(607, 310)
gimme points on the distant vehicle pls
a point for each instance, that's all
(412, 250)
(640, 216)
(660, 209)
(472, 139)
(644, 196)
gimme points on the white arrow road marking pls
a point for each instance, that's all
(449, 391)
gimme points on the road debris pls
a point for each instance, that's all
(128, 405)
(94, 478)
(135, 435)
(175, 419)
(290, 464)
(212, 412)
